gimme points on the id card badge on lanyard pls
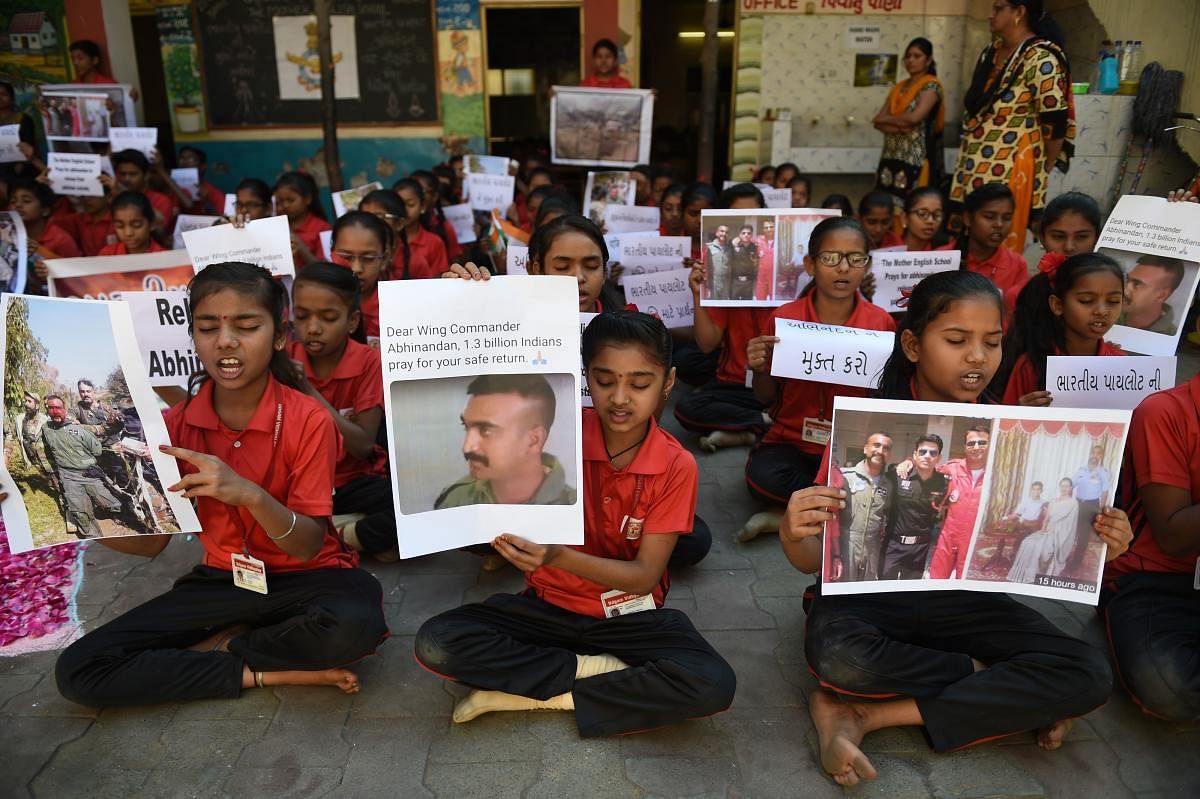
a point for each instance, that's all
(622, 603)
(249, 572)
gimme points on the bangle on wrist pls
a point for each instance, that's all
(286, 533)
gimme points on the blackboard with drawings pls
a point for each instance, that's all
(260, 65)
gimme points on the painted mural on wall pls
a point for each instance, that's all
(460, 75)
(33, 48)
(181, 68)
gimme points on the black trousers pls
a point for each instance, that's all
(370, 494)
(720, 406)
(309, 620)
(904, 561)
(691, 549)
(1153, 622)
(693, 366)
(920, 645)
(775, 471)
(518, 644)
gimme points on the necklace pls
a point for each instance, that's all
(638, 443)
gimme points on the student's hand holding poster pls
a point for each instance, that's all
(481, 397)
(1012, 493)
(85, 461)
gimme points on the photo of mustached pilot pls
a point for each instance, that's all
(506, 422)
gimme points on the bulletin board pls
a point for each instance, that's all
(258, 60)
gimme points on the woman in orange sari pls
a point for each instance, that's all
(1020, 115)
(911, 121)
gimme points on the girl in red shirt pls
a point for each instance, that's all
(252, 200)
(258, 456)
(133, 221)
(1066, 309)
(345, 376)
(987, 220)
(407, 264)
(968, 666)
(420, 240)
(363, 243)
(578, 618)
(802, 411)
(924, 211)
(34, 201)
(1071, 224)
(296, 197)
(433, 218)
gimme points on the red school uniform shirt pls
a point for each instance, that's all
(368, 306)
(118, 248)
(295, 466)
(209, 200)
(615, 82)
(90, 233)
(893, 239)
(740, 325)
(797, 400)
(1023, 379)
(164, 205)
(309, 232)
(57, 242)
(1007, 270)
(658, 488)
(355, 386)
(1163, 447)
(418, 267)
(433, 250)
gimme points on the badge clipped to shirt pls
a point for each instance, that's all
(249, 572)
(632, 528)
(817, 431)
(622, 603)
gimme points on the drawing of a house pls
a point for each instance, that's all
(30, 32)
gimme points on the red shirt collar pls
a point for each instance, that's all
(349, 365)
(202, 413)
(650, 459)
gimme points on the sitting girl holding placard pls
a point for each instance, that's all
(787, 458)
(987, 221)
(968, 666)
(278, 599)
(1066, 309)
(590, 633)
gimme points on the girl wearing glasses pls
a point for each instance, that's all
(1020, 114)
(252, 200)
(787, 458)
(363, 242)
(967, 666)
(337, 369)
(924, 212)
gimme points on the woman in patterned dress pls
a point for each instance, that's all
(911, 121)
(1020, 118)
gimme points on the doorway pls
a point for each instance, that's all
(526, 51)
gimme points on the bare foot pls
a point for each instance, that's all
(219, 641)
(1051, 738)
(840, 731)
(340, 678)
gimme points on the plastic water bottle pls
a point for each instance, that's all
(1109, 79)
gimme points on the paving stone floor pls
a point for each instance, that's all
(396, 737)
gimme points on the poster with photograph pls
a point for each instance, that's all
(298, 64)
(266, 242)
(75, 122)
(897, 272)
(349, 199)
(14, 253)
(875, 69)
(485, 164)
(977, 497)
(120, 105)
(1158, 247)
(603, 189)
(755, 257)
(82, 447)
(188, 180)
(481, 394)
(600, 127)
(160, 324)
(108, 277)
(1096, 381)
